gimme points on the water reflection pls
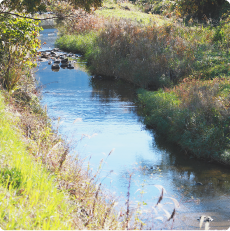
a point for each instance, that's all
(107, 89)
(188, 171)
(184, 170)
(55, 70)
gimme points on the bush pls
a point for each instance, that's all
(201, 9)
(18, 44)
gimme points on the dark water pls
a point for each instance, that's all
(100, 115)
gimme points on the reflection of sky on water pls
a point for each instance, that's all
(106, 118)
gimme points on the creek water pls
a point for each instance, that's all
(100, 116)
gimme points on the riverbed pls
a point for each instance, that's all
(101, 120)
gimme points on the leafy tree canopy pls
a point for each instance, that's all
(31, 6)
(201, 9)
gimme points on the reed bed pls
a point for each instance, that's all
(150, 56)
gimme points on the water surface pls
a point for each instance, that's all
(100, 115)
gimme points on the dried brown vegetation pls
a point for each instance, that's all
(147, 55)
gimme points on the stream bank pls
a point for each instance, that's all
(187, 64)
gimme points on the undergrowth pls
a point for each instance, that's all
(29, 197)
(151, 55)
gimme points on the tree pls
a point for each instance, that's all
(32, 6)
(19, 31)
(202, 9)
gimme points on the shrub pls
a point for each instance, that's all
(18, 44)
(201, 9)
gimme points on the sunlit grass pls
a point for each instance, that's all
(194, 114)
(118, 11)
(36, 203)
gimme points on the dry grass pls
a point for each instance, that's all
(155, 54)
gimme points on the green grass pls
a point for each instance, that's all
(29, 197)
(194, 115)
(111, 9)
(80, 43)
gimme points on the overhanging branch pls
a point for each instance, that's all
(36, 19)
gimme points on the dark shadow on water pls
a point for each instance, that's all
(107, 89)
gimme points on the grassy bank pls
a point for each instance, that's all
(29, 196)
(41, 186)
(194, 115)
(190, 63)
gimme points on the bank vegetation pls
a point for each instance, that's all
(180, 55)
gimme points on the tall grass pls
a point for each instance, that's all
(83, 43)
(35, 202)
(149, 56)
(165, 55)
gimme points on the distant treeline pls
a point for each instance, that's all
(201, 10)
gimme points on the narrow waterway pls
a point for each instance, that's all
(99, 117)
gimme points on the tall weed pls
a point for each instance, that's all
(151, 56)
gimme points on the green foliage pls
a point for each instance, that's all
(86, 4)
(10, 177)
(158, 108)
(24, 5)
(201, 9)
(18, 44)
(32, 6)
(222, 34)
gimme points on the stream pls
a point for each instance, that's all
(102, 121)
